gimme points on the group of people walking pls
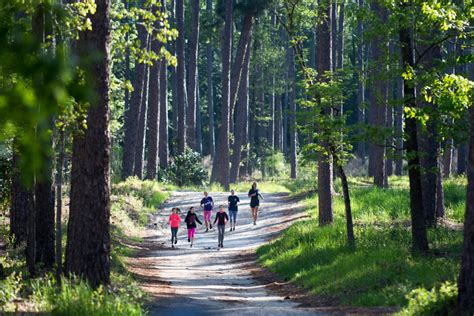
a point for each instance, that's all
(221, 218)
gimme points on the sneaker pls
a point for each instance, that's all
(176, 241)
(172, 246)
(230, 229)
(255, 223)
(222, 245)
(191, 246)
(189, 239)
(207, 230)
(210, 226)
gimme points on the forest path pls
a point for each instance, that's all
(203, 280)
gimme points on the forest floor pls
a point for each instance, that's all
(203, 280)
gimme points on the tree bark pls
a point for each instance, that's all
(193, 48)
(241, 120)
(278, 139)
(419, 233)
(325, 62)
(88, 244)
(210, 88)
(220, 167)
(21, 203)
(180, 77)
(399, 128)
(132, 116)
(378, 99)
(142, 123)
(466, 276)
(360, 83)
(153, 120)
(163, 143)
(59, 205)
(292, 113)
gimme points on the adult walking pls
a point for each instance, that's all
(207, 204)
(255, 198)
(233, 202)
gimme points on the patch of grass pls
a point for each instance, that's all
(382, 271)
(76, 297)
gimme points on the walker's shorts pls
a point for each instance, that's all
(207, 215)
(233, 215)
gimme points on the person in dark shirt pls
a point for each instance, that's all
(207, 204)
(190, 220)
(233, 201)
(255, 198)
(221, 219)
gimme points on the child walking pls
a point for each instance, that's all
(207, 204)
(174, 221)
(221, 219)
(190, 220)
(233, 201)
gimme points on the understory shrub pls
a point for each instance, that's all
(186, 169)
(440, 300)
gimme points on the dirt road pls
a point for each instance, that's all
(203, 280)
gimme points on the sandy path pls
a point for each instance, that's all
(202, 280)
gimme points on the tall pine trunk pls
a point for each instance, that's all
(153, 120)
(163, 143)
(466, 276)
(220, 167)
(142, 123)
(193, 48)
(241, 120)
(88, 244)
(132, 114)
(292, 113)
(180, 77)
(419, 233)
(325, 62)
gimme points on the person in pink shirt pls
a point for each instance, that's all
(174, 221)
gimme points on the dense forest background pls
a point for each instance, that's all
(193, 93)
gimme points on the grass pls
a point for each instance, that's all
(132, 201)
(382, 271)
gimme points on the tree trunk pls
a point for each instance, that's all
(220, 167)
(399, 128)
(88, 244)
(360, 83)
(419, 233)
(198, 121)
(153, 114)
(429, 147)
(347, 205)
(378, 99)
(325, 62)
(163, 143)
(448, 158)
(21, 203)
(466, 276)
(241, 120)
(210, 88)
(461, 159)
(278, 137)
(292, 113)
(132, 116)
(180, 77)
(59, 205)
(192, 76)
(142, 123)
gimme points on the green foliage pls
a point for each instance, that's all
(10, 289)
(76, 297)
(382, 270)
(275, 165)
(5, 179)
(440, 300)
(186, 169)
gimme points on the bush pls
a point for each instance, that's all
(187, 169)
(274, 164)
(440, 300)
